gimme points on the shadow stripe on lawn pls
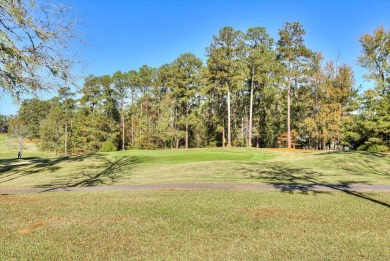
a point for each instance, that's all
(274, 187)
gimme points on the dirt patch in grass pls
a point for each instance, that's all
(24, 231)
(31, 228)
(37, 225)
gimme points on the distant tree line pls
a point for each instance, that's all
(253, 91)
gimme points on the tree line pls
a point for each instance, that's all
(252, 91)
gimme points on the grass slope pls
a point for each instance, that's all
(193, 225)
(235, 165)
(9, 149)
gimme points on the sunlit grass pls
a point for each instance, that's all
(193, 225)
(196, 155)
(219, 165)
(9, 149)
(213, 165)
(3, 137)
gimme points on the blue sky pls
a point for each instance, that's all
(126, 34)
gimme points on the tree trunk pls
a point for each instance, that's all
(288, 114)
(223, 134)
(187, 126)
(251, 111)
(147, 125)
(177, 143)
(66, 138)
(140, 125)
(132, 119)
(228, 104)
(123, 131)
(186, 135)
(21, 147)
(132, 131)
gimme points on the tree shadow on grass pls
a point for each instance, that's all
(366, 154)
(302, 180)
(12, 169)
(90, 174)
(113, 170)
(359, 162)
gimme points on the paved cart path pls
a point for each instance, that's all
(275, 187)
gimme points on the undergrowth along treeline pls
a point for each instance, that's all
(253, 91)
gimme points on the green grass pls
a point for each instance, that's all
(3, 137)
(235, 165)
(9, 149)
(193, 225)
(195, 155)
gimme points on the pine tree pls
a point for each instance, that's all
(261, 61)
(225, 66)
(294, 56)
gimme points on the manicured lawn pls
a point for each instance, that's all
(193, 225)
(9, 149)
(195, 155)
(219, 165)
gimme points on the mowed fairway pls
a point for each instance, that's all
(193, 225)
(195, 166)
(299, 223)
